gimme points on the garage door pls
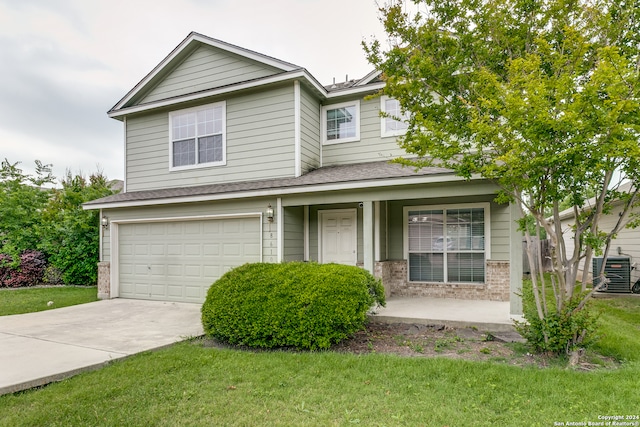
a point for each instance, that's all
(178, 261)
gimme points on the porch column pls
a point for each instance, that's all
(368, 233)
(515, 264)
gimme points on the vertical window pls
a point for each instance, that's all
(394, 122)
(198, 136)
(341, 122)
(446, 245)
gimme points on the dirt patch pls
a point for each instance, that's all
(415, 340)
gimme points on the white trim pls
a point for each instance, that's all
(115, 245)
(384, 133)
(188, 218)
(223, 106)
(280, 230)
(323, 122)
(277, 78)
(101, 242)
(366, 79)
(114, 264)
(188, 41)
(321, 213)
(307, 248)
(353, 90)
(124, 179)
(487, 231)
(296, 129)
(425, 179)
(376, 231)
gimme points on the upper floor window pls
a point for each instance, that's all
(198, 137)
(341, 122)
(390, 125)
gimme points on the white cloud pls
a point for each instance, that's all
(64, 63)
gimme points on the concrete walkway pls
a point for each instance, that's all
(39, 348)
(490, 316)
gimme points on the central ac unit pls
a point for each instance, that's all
(618, 272)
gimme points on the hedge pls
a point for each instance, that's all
(301, 305)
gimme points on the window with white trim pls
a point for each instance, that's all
(197, 137)
(394, 123)
(446, 245)
(341, 122)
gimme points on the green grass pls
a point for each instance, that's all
(190, 384)
(619, 327)
(18, 301)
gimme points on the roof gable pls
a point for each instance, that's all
(199, 63)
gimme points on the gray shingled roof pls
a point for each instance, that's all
(326, 175)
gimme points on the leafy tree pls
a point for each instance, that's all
(539, 96)
(70, 236)
(22, 199)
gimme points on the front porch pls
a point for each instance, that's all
(489, 316)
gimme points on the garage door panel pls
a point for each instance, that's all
(178, 261)
(252, 250)
(174, 270)
(157, 249)
(193, 249)
(174, 249)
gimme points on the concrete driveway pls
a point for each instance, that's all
(39, 348)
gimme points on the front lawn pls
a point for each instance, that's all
(28, 300)
(192, 384)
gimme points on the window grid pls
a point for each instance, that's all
(446, 245)
(340, 123)
(197, 136)
(390, 125)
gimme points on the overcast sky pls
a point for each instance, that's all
(65, 63)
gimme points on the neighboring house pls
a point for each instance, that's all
(232, 156)
(626, 243)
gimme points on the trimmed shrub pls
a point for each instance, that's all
(29, 272)
(301, 305)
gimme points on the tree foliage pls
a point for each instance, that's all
(50, 220)
(22, 200)
(539, 96)
(70, 235)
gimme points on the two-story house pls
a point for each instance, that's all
(232, 156)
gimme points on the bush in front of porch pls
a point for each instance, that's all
(300, 305)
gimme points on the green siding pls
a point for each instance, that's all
(207, 68)
(260, 144)
(293, 234)
(309, 131)
(371, 147)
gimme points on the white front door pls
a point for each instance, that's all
(338, 236)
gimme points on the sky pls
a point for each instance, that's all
(65, 63)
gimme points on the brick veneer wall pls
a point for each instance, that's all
(394, 277)
(104, 280)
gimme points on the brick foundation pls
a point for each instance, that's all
(104, 280)
(394, 278)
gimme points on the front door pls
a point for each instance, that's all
(338, 236)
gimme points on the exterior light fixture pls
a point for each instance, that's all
(269, 213)
(104, 221)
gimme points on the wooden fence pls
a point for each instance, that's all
(541, 248)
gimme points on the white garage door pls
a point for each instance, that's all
(178, 261)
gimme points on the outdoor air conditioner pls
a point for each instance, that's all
(617, 270)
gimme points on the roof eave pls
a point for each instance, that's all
(281, 191)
